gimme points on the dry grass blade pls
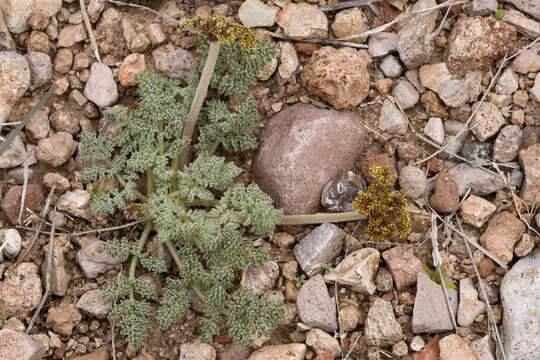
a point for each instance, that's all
(485, 298)
(518, 202)
(25, 186)
(47, 280)
(88, 25)
(320, 41)
(18, 129)
(37, 228)
(347, 4)
(145, 8)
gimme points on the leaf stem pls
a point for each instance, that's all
(135, 258)
(320, 218)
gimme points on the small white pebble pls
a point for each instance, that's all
(10, 242)
(417, 343)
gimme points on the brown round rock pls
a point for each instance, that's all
(339, 76)
(302, 148)
(445, 199)
(485, 267)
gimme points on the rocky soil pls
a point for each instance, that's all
(448, 98)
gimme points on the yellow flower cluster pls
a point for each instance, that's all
(216, 28)
(384, 208)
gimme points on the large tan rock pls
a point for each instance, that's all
(303, 21)
(20, 292)
(530, 164)
(302, 148)
(17, 12)
(339, 76)
(16, 345)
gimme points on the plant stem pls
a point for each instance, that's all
(135, 258)
(149, 182)
(198, 100)
(320, 218)
(178, 262)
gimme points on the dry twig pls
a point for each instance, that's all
(88, 25)
(320, 41)
(47, 280)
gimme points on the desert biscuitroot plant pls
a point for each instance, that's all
(384, 208)
(196, 208)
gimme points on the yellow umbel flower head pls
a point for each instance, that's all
(216, 28)
(384, 207)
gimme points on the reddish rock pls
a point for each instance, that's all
(11, 203)
(445, 198)
(371, 160)
(16, 345)
(305, 48)
(476, 42)
(131, 66)
(485, 267)
(339, 76)
(63, 318)
(100, 354)
(403, 265)
(296, 159)
(529, 160)
(430, 351)
(503, 231)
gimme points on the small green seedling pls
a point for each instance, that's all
(498, 14)
(434, 276)
(299, 280)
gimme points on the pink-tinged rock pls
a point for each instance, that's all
(261, 278)
(56, 149)
(476, 210)
(526, 62)
(14, 81)
(430, 351)
(524, 24)
(432, 76)
(302, 21)
(314, 305)
(445, 198)
(282, 352)
(487, 121)
(131, 66)
(502, 233)
(175, 63)
(476, 42)
(71, 34)
(17, 12)
(403, 265)
(339, 76)
(11, 203)
(529, 160)
(16, 345)
(21, 291)
(296, 159)
(63, 318)
(453, 347)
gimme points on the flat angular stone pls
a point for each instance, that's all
(430, 313)
(521, 313)
(261, 278)
(476, 210)
(282, 352)
(302, 21)
(487, 121)
(94, 261)
(503, 231)
(255, 13)
(314, 305)
(93, 304)
(381, 328)
(357, 270)
(481, 182)
(21, 291)
(321, 246)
